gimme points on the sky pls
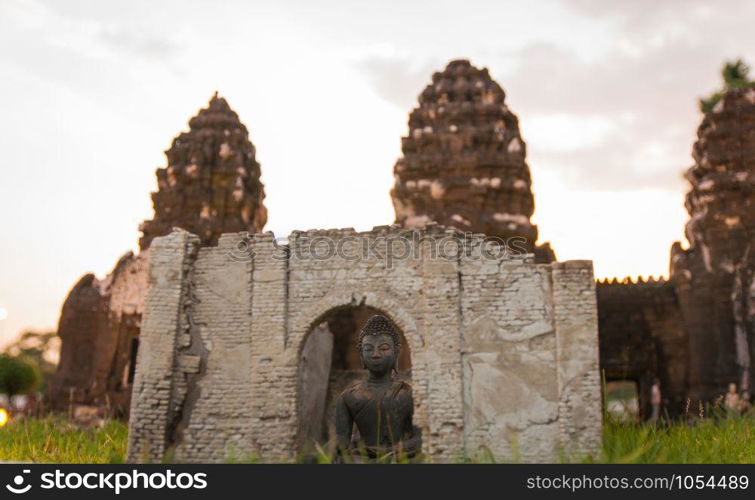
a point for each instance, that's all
(94, 91)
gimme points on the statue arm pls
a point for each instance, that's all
(344, 425)
(412, 440)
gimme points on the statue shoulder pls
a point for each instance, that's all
(405, 386)
(352, 389)
(401, 388)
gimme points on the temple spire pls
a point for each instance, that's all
(463, 161)
(212, 182)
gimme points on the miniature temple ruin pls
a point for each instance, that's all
(502, 351)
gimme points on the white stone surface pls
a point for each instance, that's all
(504, 351)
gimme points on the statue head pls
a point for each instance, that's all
(379, 345)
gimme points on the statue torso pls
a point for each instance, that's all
(382, 414)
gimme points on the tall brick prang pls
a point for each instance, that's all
(210, 186)
(464, 161)
(212, 182)
(714, 277)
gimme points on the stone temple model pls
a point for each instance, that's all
(464, 163)
(237, 356)
(695, 333)
(210, 186)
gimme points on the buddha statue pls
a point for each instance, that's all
(381, 406)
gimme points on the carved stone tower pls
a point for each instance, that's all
(212, 182)
(714, 277)
(210, 186)
(463, 161)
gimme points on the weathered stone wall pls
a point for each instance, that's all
(580, 414)
(216, 388)
(155, 404)
(503, 350)
(643, 338)
(530, 356)
(84, 312)
(98, 324)
(509, 358)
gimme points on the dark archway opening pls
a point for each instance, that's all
(329, 362)
(622, 400)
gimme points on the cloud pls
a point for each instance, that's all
(639, 18)
(649, 100)
(76, 31)
(594, 151)
(552, 79)
(397, 79)
(139, 42)
(623, 121)
(568, 133)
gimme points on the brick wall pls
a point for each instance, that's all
(503, 351)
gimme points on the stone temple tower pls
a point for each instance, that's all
(212, 182)
(714, 277)
(210, 186)
(463, 161)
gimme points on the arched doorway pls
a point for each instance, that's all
(328, 363)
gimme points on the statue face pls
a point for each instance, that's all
(378, 353)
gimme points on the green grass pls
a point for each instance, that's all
(55, 440)
(710, 440)
(722, 440)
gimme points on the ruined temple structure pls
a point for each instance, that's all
(243, 341)
(695, 333)
(211, 185)
(714, 277)
(99, 331)
(464, 163)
